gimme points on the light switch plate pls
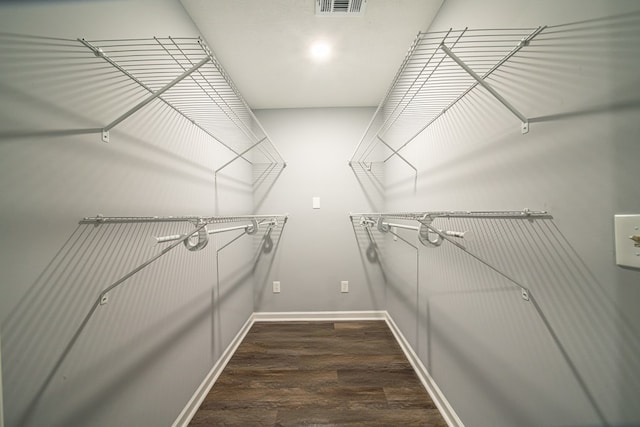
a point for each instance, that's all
(627, 253)
(315, 202)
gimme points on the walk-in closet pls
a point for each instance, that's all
(320, 212)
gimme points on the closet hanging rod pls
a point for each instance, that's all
(248, 228)
(417, 216)
(428, 234)
(191, 218)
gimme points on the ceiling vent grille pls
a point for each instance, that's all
(340, 7)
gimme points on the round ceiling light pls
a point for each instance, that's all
(320, 51)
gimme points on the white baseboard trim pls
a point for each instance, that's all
(427, 381)
(318, 316)
(201, 392)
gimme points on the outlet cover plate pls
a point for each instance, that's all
(276, 287)
(627, 253)
(344, 286)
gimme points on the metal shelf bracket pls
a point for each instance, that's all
(482, 82)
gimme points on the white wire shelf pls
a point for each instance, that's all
(439, 69)
(100, 219)
(185, 74)
(428, 234)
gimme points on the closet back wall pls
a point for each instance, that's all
(318, 249)
(143, 354)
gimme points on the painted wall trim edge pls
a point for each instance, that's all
(427, 381)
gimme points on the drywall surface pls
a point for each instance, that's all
(568, 356)
(319, 248)
(138, 359)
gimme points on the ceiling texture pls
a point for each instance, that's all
(264, 46)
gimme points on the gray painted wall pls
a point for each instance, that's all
(319, 248)
(141, 356)
(570, 358)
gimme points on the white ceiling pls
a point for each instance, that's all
(264, 46)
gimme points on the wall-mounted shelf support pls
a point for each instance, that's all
(185, 75)
(241, 154)
(440, 69)
(429, 235)
(426, 231)
(198, 238)
(396, 153)
(155, 95)
(488, 87)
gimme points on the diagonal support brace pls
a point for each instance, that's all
(488, 87)
(155, 95)
(240, 155)
(395, 153)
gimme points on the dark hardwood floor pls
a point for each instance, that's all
(321, 374)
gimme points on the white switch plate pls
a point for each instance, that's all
(344, 286)
(627, 254)
(276, 287)
(315, 202)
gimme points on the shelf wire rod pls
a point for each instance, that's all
(426, 79)
(197, 219)
(89, 315)
(515, 50)
(199, 85)
(400, 77)
(98, 53)
(233, 87)
(417, 216)
(241, 125)
(389, 91)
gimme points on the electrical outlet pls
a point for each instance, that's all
(627, 238)
(276, 287)
(344, 286)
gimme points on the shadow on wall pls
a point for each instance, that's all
(370, 177)
(265, 176)
(86, 392)
(371, 256)
(55, 338)
(266, 250)
(257, 269)
(564, 299)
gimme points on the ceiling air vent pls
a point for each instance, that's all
(340, 7)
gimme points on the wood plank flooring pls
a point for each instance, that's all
(320, 374)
